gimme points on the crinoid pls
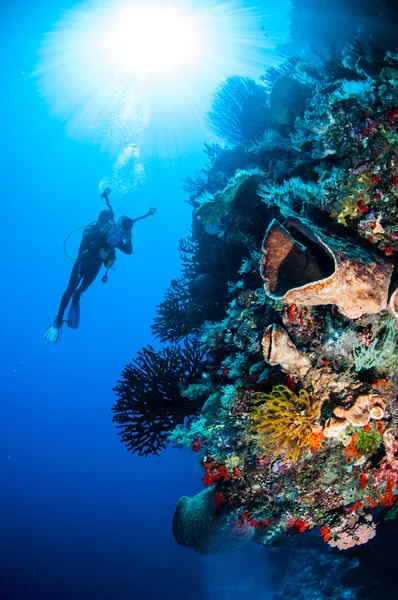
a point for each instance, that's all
(284, 422)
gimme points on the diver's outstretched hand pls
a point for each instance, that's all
(152, 211)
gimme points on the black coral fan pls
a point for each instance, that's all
(181, 313)
(150, 401)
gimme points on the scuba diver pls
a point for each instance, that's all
(98, 247)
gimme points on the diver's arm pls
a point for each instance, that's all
(126, 247)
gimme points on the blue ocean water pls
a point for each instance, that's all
(80, 517)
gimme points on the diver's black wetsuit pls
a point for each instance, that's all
(94, 251)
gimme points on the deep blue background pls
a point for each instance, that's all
(80, 517)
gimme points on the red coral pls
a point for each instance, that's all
(356, 506)
(196, 444)
(214, 472)
(362, 207)
(370, 502)
(325, 533)
(297, 526)
(389, 498)
(362, 480)
(292, 312)
(315, 441)
(235, 473)
(219, 498)
(351, 451)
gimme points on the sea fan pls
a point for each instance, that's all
(239, 112)
(150, 403)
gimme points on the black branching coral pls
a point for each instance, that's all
(150, 401)
(178, 316)
(195, 297)
(239, 112)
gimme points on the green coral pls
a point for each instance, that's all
(381, 354)
(367, 443)
(393, 513)
(291, 197)
(213, 210)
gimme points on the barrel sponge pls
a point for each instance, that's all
(199, 524)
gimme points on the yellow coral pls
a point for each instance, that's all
(285, 422)
(354, 191)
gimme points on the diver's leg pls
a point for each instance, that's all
(72, 285)
(89, 276)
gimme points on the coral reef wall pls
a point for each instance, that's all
(332, 22)
(280, 366)
(298, 430)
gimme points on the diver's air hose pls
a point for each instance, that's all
(67, 238)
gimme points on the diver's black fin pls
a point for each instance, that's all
(74, 316)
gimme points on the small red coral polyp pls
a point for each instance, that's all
(354, 507)
(196, 444)
(292, 312)
(362, 480)
(235, 473)
(219, 499)
(297, 526)
(315, 441)
(351, 451)
(214, 472)
(325, 533)
(378, 196)
(389, 497)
